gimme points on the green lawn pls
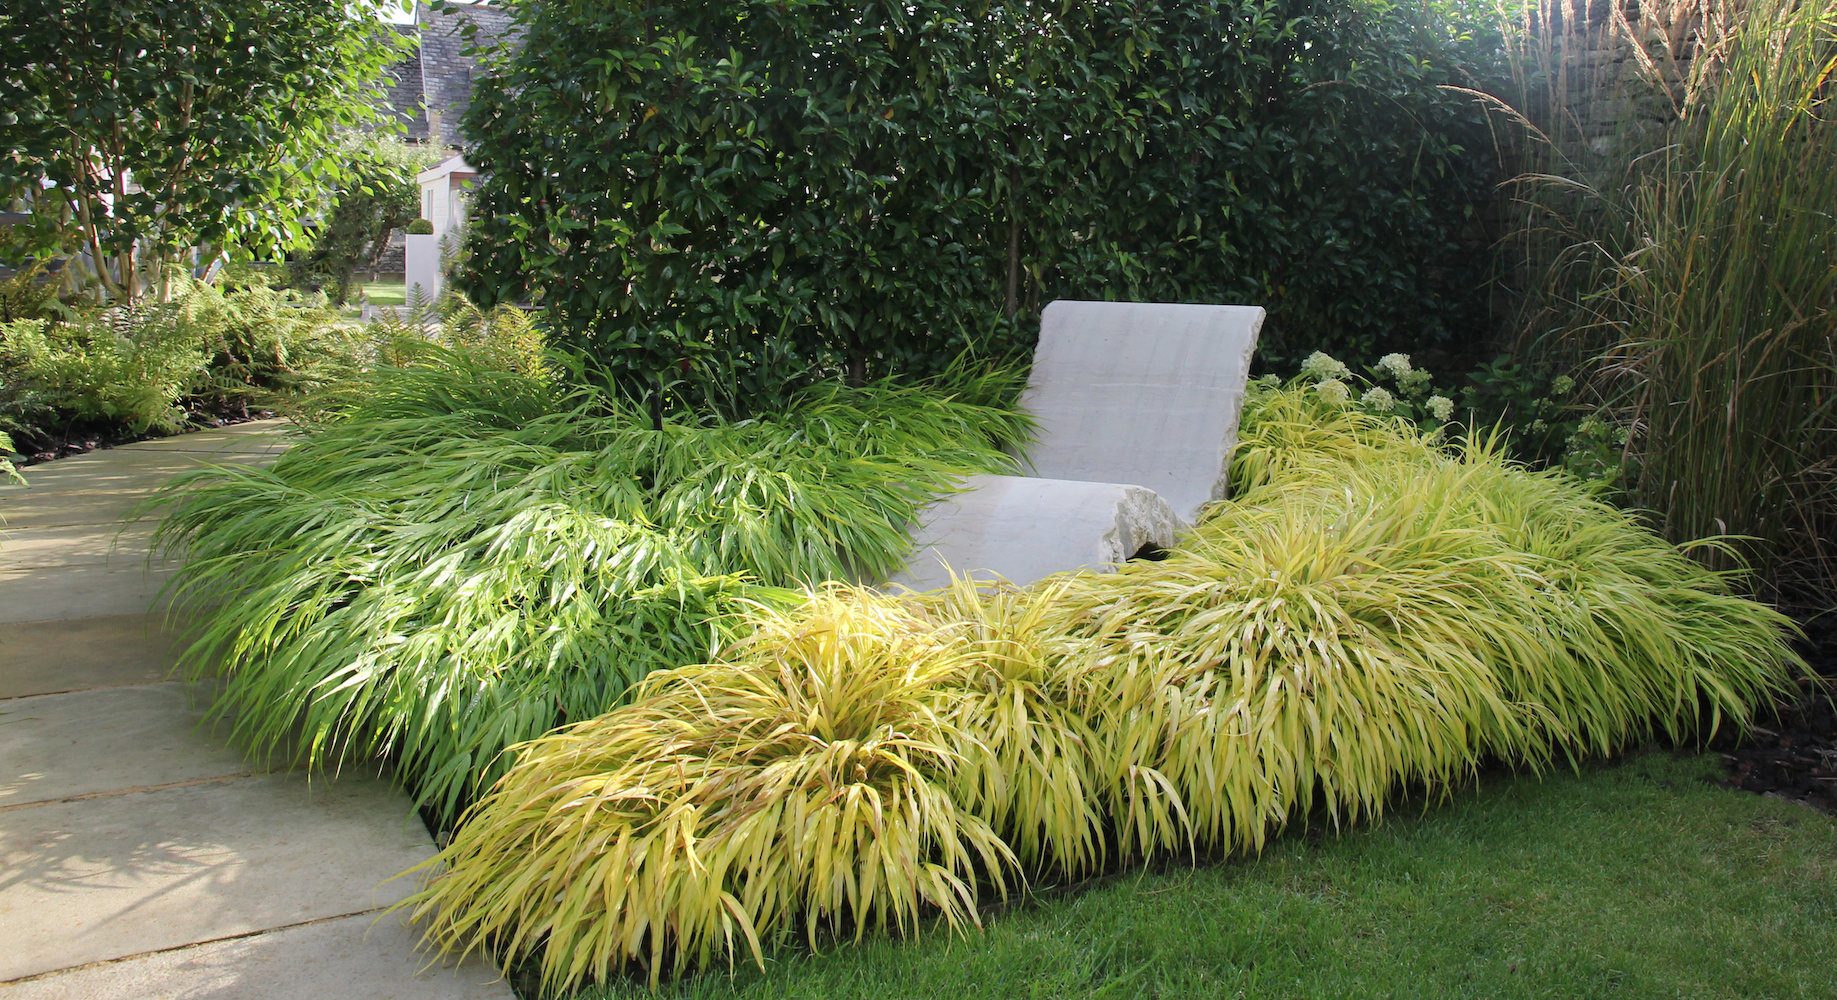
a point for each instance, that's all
(385, 293)
(1639, 879)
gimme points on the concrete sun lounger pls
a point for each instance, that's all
(1137, 405)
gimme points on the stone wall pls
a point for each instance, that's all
(1614, 67)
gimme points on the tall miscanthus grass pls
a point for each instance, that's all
(470, 556)
(1689, 265)
(1374, 607)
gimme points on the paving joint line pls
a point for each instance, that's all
(138, 790)
(106, 687)
(183, 947)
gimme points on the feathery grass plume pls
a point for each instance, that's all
(472, 556)
(805, 776)
(1685, 261)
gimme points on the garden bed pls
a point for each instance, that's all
(1794, 755)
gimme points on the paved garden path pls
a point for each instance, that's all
(140, 854)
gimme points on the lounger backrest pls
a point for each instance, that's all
(1142, 393)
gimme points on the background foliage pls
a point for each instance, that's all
(781, 188)
(160, 127)
(214, 349)
(377, 194)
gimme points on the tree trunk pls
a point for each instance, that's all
(1013, 301)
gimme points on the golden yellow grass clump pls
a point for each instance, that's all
(1372, 608)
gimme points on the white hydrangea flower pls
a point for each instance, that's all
(1379, 399)
(1441, 407)
(1270, 381)
(1562, 385)
(1324, 368)
(1397, 365)
(1334, 391)
(1414, 382)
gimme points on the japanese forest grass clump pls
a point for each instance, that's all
(1373, 607)
(463, 557)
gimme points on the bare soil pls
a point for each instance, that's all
(1791, 753)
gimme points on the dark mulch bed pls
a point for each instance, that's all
(1792, 754)
(41, 444)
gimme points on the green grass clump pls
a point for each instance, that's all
(1369, 612)
(463, 557)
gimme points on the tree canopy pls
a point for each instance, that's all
(136, 129)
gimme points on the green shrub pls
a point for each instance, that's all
(1368, 611)
(125, 366)
(208, 348)
(420, 227)
(469, 556)
(813, 186)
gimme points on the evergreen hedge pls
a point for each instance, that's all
(757, 191)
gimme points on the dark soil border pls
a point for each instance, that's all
(1791, 752)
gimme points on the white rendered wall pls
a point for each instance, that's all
(421, 265)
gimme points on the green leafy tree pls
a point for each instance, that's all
(378, 194)
(145, 128)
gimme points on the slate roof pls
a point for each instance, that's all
(434, 85)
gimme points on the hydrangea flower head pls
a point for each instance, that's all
(1396, 365)
(1441, 407)
(1379, 399)
(1334, 391)
(1323, 367)
(1413, 382)
(1562, 385)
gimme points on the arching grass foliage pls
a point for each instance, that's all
(462, 557)
(1371, 609)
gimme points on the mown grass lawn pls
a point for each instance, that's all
(1633, 879)
(385, 293)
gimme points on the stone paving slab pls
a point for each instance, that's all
(76, 545)
(272, 436)
(116, 470)
(123, 587)
(52, 657)
(59, 746)
(30, 509)
(362, 957)
(106, 878)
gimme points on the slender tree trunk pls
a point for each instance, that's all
(1013, 302)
